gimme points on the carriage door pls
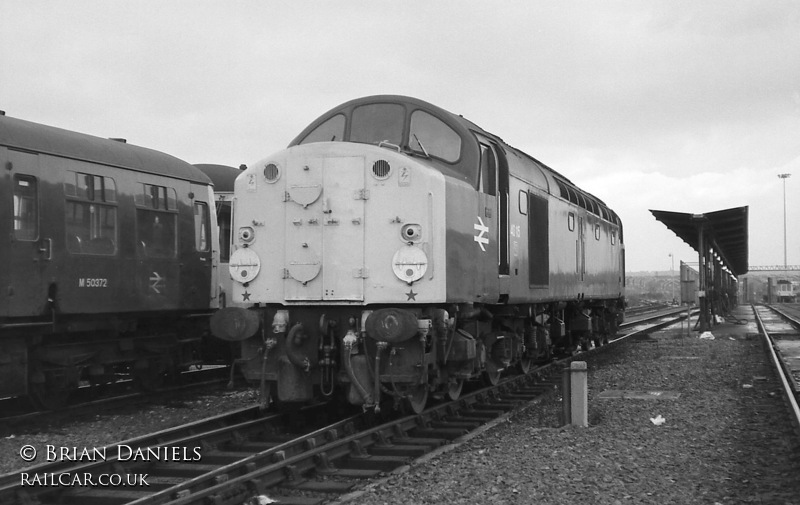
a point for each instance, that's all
(204, 271)
(30, 250)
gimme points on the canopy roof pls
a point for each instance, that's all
(725, 231)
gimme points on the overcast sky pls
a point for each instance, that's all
(676, 105)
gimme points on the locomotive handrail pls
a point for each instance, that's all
(386, 143)
(26, 325)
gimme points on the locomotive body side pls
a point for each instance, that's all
(578, 257)
(397, 249)
(110, 251)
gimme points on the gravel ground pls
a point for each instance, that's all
(726, 439)
(110, 428)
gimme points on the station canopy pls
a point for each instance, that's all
(724, 230)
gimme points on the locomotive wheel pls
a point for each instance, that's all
(52, 393)
(454, 389)
(417, 397)
(491, 375)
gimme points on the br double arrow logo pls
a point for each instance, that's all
(481, 237)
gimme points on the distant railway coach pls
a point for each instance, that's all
(109, 258)
(396, 250)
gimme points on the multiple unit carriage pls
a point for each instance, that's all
(397, 250)
(785, 291)
(109, 261)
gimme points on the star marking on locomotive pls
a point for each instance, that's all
(481, 237)
(246, 296)
(411, 295)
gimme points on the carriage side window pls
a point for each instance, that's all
(613, 237)
(26, 219)
(331, 130)
(90, 214)
(202, 227)
(571, 221)
(156, 221)
(378, 122)
(429, 135)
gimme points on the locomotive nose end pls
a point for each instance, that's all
(234, 324)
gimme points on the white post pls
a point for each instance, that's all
(579, 394)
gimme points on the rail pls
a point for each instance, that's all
(786, 388)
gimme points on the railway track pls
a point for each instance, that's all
(653, 319)
(19, 411)
(235, 457)
(780, 327)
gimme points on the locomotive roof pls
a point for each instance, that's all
(466, 130)
(34, 137)
(456, 121)
(222, 176)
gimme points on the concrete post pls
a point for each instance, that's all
(566, 396)
(579, 394)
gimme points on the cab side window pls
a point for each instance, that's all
(430, 136)
(224, 221)
(26, 205)
(331, 130)
(488, 171)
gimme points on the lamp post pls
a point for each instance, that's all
(784, 177)
(672, 275)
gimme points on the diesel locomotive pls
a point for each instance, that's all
(396, 250)
(109, 261)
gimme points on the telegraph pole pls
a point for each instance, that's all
(784, 177)
(672, 275)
